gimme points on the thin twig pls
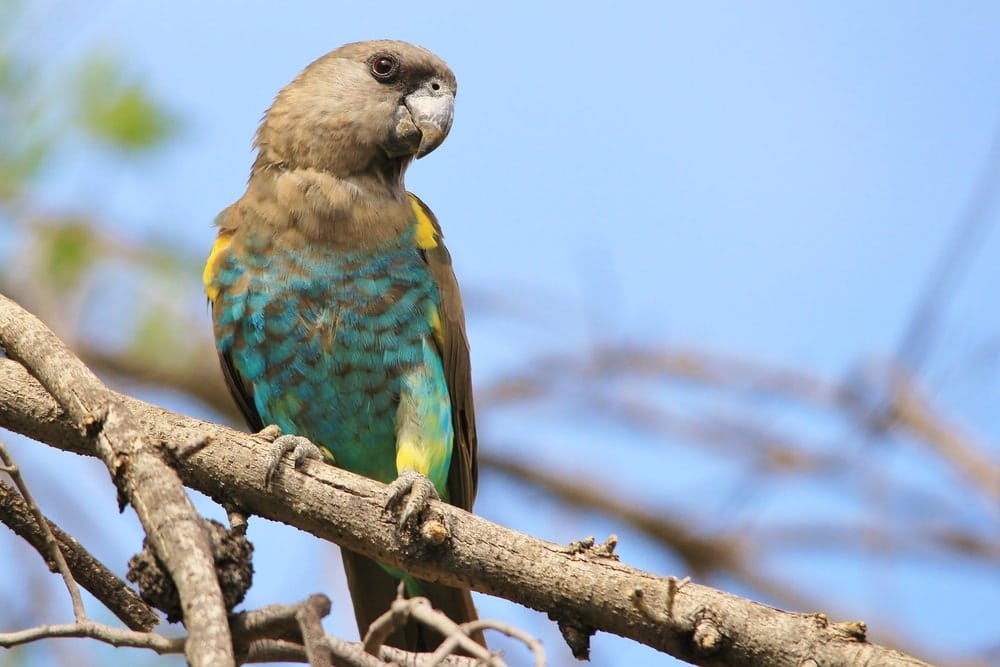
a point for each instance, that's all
(51, 545)
(420, 609)
(88, 572)
(511, 631)
(105, 633)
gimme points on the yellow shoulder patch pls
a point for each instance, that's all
(212, 264)
(427, 234)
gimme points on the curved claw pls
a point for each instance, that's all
(413, 491)
(301, 449)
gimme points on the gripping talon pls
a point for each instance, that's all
(301, 449)
(413, 491)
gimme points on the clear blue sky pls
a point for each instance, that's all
(773, 179)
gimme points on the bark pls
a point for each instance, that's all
(103, 422)
(583, 587)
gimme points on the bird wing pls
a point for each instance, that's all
(240, 390)
(454, 347)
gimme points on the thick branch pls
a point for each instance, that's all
(150, 485)
(695, 623)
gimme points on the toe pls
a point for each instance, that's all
(301, 448)
(306, 450)
(413, 492)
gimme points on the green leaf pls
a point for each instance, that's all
(67, 252)
(117, 110)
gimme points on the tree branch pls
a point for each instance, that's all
(890, 401)
(89, 572)
(50, 548)
(287, 633)
(141, 476)
(590, 591)
(93, 630)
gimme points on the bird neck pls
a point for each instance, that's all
(348, 212)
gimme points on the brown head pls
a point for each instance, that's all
(365, 107)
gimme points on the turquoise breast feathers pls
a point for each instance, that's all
(339, 347)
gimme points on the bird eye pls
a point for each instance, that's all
(384, 67)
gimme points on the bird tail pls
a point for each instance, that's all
(373, 589)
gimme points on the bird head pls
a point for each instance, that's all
(376, 104)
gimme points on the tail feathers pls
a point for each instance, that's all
(373, 590)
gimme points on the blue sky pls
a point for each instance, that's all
(749, 175)
(770, 179)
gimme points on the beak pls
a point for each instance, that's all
(432, 107)
(422, 121)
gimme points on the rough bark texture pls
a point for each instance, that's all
(582, 587)
(103, 423)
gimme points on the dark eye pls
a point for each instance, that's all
(384, 67)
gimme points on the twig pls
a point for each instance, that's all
(272, 650)
(255, 632)
(104, 633)
(276, 621)
(283, 632)
(911, 409)
(744, 376)
(419, 609)
(89, 572)
(52, 549)
(955, 259)
(317, 650)
(511, 631)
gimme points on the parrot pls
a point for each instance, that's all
(335, 309)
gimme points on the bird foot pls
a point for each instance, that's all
(301, 449)
(413, 492)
